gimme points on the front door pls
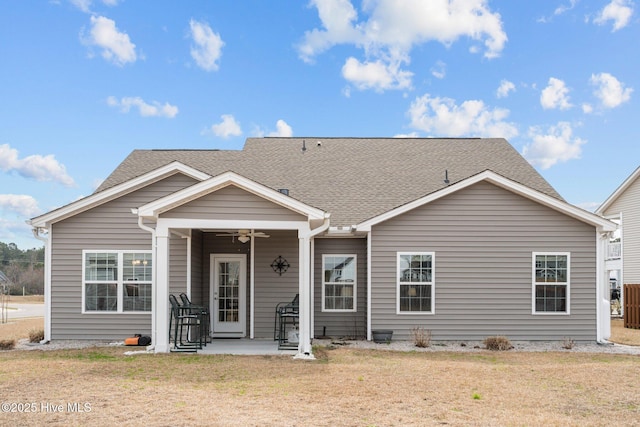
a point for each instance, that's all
(228, 292)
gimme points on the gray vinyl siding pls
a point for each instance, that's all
(197, 281)
(628, 203)
(108, 226)
(177, 265)
(270, 287)
(233, 203)
(483, 238)
(341, 324)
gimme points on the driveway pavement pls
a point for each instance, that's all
(20, 311)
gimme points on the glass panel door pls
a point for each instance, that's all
(228, 293)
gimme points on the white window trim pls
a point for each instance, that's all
(534, 283)
(119, 280)
(432, 284)
(355, 285)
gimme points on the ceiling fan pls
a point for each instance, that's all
(244, 235)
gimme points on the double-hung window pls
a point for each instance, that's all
(551, 282)
(415, 282)
(117, 281)
(339, 283)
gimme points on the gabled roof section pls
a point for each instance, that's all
(619, 191)
(116, 191)
(156, 208)
(500, 181)
(352, 178)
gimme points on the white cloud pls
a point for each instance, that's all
(609, 90)
(618, 11)
(40, 168)
(441, 116)
(227, 127)
(557, 144)
(439, 70)
(563, 8)
(505, 87)
(207, 47)
(85, 5)
(587, 108)
(116, 46)
(283, 130)
(407, 135)
(155, 109)
(19, 203)
(392, 28)
(376, 75)
(555, 95)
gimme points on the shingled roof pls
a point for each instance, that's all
(352, 178)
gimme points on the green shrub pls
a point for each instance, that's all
(497, 343)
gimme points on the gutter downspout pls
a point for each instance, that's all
(304, 347)
(47, 283)
(153, 276)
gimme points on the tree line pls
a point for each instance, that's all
(23, 269)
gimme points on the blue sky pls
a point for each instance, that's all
(84, 82)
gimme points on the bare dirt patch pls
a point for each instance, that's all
(349, 387)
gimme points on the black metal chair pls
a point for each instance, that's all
(203, 312)
(186, 327)
(286, 320)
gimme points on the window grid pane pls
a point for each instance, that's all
(551, 280)
(339, 276)
(101, 297)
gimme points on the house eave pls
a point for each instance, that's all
(96, 199)
(154, 209)
(600, 223)
(621, 189)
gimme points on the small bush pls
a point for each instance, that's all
(7, 344)
(36, 335)
(497, 343)
(568, 343)
(421, 337)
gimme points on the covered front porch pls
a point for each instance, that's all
(238, 249)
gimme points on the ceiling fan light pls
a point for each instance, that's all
(244, 239)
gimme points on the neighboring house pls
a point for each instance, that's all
(623, 207)
(461, 237)
(4, 283)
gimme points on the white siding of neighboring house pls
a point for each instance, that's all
(628, 204)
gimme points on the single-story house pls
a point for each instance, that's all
(460, 237)
(623, 207)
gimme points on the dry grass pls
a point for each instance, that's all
(27, 299)
(20, 328)
(345, 387)
(622, 335)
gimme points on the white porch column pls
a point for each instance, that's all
(161, 308)
(304, 346)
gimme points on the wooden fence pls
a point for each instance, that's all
(632, 306)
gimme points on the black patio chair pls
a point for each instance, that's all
(286, 315)
(185, 326)
(203, 312)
